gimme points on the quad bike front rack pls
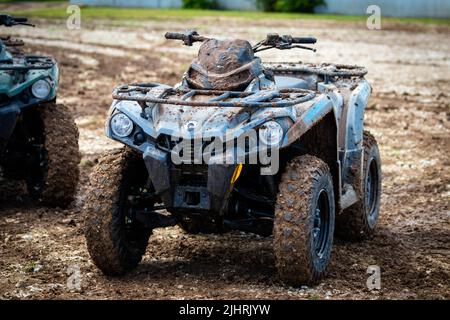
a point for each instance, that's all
(10, 42)
(162, 94)
(30, 63)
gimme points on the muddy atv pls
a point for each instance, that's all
(276, 149)
(38, 137)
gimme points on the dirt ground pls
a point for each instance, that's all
(409, 114)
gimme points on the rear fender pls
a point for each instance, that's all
(351, 137)
(316, 129)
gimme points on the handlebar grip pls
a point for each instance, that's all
(304, 40)
(174, 36)
(20, 19)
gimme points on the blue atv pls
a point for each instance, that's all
(275, 149)
(38, 137)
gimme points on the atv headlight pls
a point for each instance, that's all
(121, 125)
(271, 133)
(41, 89)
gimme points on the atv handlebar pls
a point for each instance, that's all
(272, 40)
(20, 19)
(174, 36)
(188, 37)
(304, 40)
(9, 21)
(285, 42)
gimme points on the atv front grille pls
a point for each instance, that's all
(190, 150)
(199, 151)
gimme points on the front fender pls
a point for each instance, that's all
(31, 77)
(308, 118)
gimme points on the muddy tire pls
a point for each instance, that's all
(54, 181)
(304, 221)
(359, 221)
(115, 242)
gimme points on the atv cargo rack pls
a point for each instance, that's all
(324, 69)
(29, 63)
(161, 94)
(10, 42)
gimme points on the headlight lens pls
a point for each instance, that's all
(41, 89)
(271, 133)
(121, 125)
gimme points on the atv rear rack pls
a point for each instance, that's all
(324, 69)
(158, 94)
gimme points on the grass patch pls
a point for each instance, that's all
(185, 14)
(32, 266)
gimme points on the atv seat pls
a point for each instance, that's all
(283, 82)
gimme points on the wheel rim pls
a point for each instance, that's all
(372, 182)
(321, 223)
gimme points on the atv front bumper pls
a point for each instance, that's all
(189, 188)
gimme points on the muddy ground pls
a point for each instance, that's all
(409, 114)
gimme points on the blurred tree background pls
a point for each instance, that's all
(264, 5)
(200, 4)
(295, 5)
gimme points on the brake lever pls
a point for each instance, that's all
(303, 47)
(25, 24)
(284, 46)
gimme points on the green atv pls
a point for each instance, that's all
(38, 138)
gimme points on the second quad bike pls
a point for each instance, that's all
(38, 137)
(311, 116)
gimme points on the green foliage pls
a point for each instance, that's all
(297, 5)
(289, 5)
(266, 5)
(200, 4)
